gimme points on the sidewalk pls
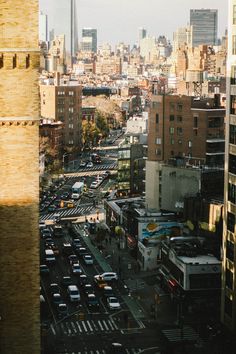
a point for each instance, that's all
(138, 289)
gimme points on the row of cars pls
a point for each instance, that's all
(99, 179)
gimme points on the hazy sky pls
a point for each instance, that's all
(118, 20)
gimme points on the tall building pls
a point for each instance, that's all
(205, 26)
(142, 33)
(183, 37)
(228, 314)
(74, 43)
(89, 40)
(43, 27)
(62, 102)
(19, 175)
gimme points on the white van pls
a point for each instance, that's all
(50, 256)
(75, 196)
(73, 292)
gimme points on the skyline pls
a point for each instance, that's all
(100, 14)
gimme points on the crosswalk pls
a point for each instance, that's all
(78, 211)
(104, 351)
(102, 167)
(73, 327)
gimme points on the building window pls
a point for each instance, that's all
(61, 93)
(179, 107)
(60, 110)
(71, 126)
(233, 44)
(71, 109)
(158, 152)
(27, 62)
(230, 250)
(179, 119)
(215, 122)
(190, 144)
(232, 164)
(71, 142)
(232, 193)
(172, 130)
(195, 121)
(230, 222)
(179, 141)
(61, 101)
(232, 134)
(172, 117)
(172, 107)
(158, 141)
(234, 14)
(71, 93)
(157, 118)
(61, 118)
(172, 141)
(179, 131)
(229, 279)
(228, 306)
(233, 75)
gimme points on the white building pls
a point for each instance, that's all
(43, 27)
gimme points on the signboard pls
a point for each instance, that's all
(159, 230)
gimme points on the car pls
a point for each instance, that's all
(99, 281)
(73, 292)
(50, 256)
(54, 288)
(42, 225)
(52, 208)
(117, 348)
(62, 310)
(55, 249)
(94, 185)
(89, 164)
(44, 269)
(49, 242)
(58, 231)
(73, 259)
(88, 289)
(92, 301)
(56, 299)
(83, 279)
(76, 269)
(109, 276)
(81, 251)
(82, 164)
(113, 303)
(67, 249)
(46, 233)
(65, 195)
(99, 179)
(76, 243)
(108, 291)
(87, 258)
(67, 280)
(90, 194)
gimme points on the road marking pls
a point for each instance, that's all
(63, 328)
(73, 326)
(105, 325)
(77, 322)
(68, 328)
(83, 324)
(90, 327)
(95, 326)
(100, 325)
(53, 329)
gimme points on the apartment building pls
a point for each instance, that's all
(61, 100)
(228, 303)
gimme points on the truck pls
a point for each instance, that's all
(77, 190)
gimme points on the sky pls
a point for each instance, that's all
(119, 20)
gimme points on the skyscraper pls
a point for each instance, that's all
(142, 33)
(74, 29)
(43, 27)
(19, 175)
(228, 304)
(89, 40)
(205, 25)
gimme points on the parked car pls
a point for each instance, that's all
(108, 276)
(113, 303)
